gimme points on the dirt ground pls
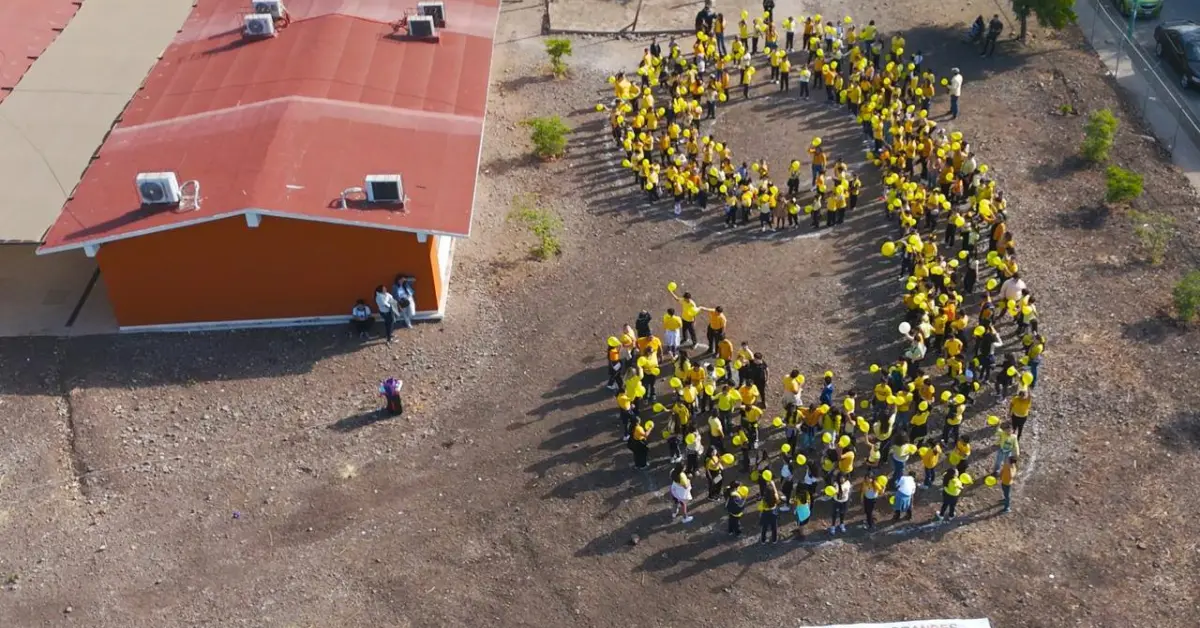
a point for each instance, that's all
(243, 478)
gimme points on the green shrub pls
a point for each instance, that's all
(557, 48)
(1098, 135)
(549, 136)
(543, 223)
(1154, 231)
(1187, 296)
(1122, 185)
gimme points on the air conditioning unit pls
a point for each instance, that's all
(435, 10)
(274, 8)
(385, 188)
(259, 25)
(422, 27)
(158, 188)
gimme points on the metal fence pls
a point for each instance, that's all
(1136, 68)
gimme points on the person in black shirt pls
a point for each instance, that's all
(735, 506)
(642, 325)
(995, 27)
(705, 18)
(769, 517)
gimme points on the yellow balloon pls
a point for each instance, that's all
(613, 342)
(826, 438)
(990, 480)
(777, 422)
(667, 434)
(754, 475)
(675, 382)
(830, 491)
(727, 458)
(966, 479)
(767, 475)
(671, 286)
(743, 491)
(844, 441)
(993, 420)
(658, 407)
(863, 426)
(1011, 372)
(786, 448)
(888, 249)
(648, 426)
(1026, 378)
(690, 439)
(801, 460)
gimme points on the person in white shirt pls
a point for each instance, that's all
(361, 319)
(1012, 288)
(406, 299)
(906, 486)
(386, 303)
(956, 81)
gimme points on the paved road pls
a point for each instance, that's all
(1160, 111)
(1144, 34)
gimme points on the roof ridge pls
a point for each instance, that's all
(294, 98)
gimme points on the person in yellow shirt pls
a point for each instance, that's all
(961, 453)
(672, 323)
(1007, 472)
(951, 488)
(716, 326)
(1019, 408)
(785, 73)
(931, 457)
(954, 419)
(748, 392)
(728, 400)
(687, 316)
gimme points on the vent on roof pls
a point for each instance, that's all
(422, 27)
(259, 25)
(435, 10)
(385, 188)
(158, 188)
(274, 8)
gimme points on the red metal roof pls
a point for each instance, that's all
(282, 126)
(27, 28)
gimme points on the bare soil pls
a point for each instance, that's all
(245, 479)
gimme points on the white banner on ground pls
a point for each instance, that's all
(924, 623)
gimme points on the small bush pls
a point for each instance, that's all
(1187, 296)
(549, 136)
(1098, 135)
(1122, 185)
(557, 48)
(543, 223)
(1067, 109)
(1154, 231)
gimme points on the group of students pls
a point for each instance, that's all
(668, 154)
(951, 218)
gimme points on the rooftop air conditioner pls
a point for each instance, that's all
(385, 188)
(422, 27)
(435, 10)
(158, 188)
(274, 8)
(259, 25)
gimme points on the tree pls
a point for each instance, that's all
(1056, 14)
(556, 49)
(549, 136)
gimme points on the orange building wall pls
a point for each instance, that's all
(285, 268)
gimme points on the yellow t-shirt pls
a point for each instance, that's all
(1020, 406)
(672, 323)
(690, 309)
